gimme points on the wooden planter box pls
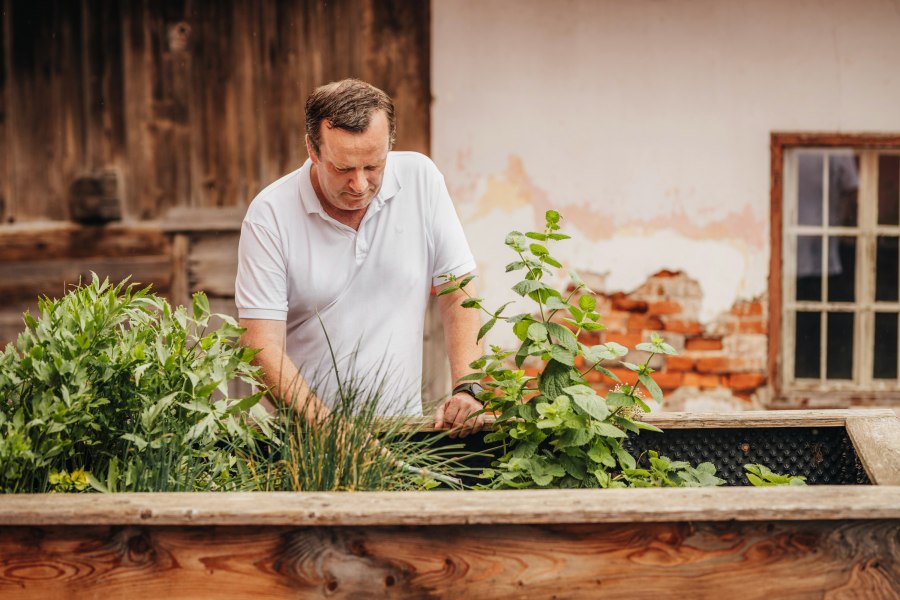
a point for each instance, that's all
(636, 543)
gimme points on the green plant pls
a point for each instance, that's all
(110, 388)
(762, 476)
(555, 430)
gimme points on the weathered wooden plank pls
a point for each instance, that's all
(178, 293)
(396, 35)
(780, 418)
(27, 280)
(190, 219)
(647, 560)
(455, 507)
(46, 68)
(61, 239)
(877, 443)
(212, 265)
(7, 147)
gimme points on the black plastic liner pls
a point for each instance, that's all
(824, 455)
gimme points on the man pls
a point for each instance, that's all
(337, 260)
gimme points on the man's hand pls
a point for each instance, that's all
(454, 413)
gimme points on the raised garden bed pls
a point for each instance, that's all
(730, 541)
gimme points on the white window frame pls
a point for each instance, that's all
(864, 307)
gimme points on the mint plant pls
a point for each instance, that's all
(762, 476)
(555, 430)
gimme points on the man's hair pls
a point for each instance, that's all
(348, 105)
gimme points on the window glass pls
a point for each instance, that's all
(808, 345)
(839, 360)
(809, 267)
(885, 365)
(843, 183)
(841, 268)
(888, 190)
(809, 188)
(886, 253)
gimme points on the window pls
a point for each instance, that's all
(838, 254)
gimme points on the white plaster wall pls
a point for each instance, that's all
(646, 123)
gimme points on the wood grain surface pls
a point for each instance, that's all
(455, 507)
(812, 559)
(877, 443)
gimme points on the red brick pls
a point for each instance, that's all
(713, 364)
(621, 302)
(686, 327)
(665, 274)
(664, 307)
(753, 326)
(701, 380)
(625, 376)
(746, 381)
(644, 322)
(703, 343)
(629, 340)
(668, 380)
(679, 363)
(616, 320)
(748, 308)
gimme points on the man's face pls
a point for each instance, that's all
(348, 170)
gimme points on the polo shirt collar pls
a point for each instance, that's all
(390, 187)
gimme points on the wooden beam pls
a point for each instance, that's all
(877, 443)
(757, 560)
(455, 507)
(63, 240)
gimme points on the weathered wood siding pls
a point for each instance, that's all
(173, 104)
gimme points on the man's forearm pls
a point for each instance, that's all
(280, 374)
(461, 327)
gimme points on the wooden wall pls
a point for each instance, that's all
(171, 104)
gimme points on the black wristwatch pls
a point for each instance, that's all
(472, 388)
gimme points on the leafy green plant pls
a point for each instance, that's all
(664, 472)
(109, 388)
(762, 476)
(555, 430)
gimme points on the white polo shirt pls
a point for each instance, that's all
(366, 289)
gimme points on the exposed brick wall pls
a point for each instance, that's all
(721, 365)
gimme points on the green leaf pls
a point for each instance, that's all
(588, 401)
(609, 430)
(471, 303)
(526, 286)
(564, 336)
(651, 386)
(515, 266)
(587, 302)
(562, 355)
(486, 327)
(536, 236)
(553, 379)
(537, 332)
(448, 290)
(552, 217)
(552, 261)
(556, 303)
(559, 236)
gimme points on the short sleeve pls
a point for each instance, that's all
(451, 250)
(260, 289)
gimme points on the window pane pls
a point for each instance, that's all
(809, 189)
(886, 253)
(888, 190)
(841, 269)
(809, 267)
(843, 183)
(840, 346)
(809, 344)
(885, 346)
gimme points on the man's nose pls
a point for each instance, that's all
(358, 182)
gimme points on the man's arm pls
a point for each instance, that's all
(280, 373)
(461, 327)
